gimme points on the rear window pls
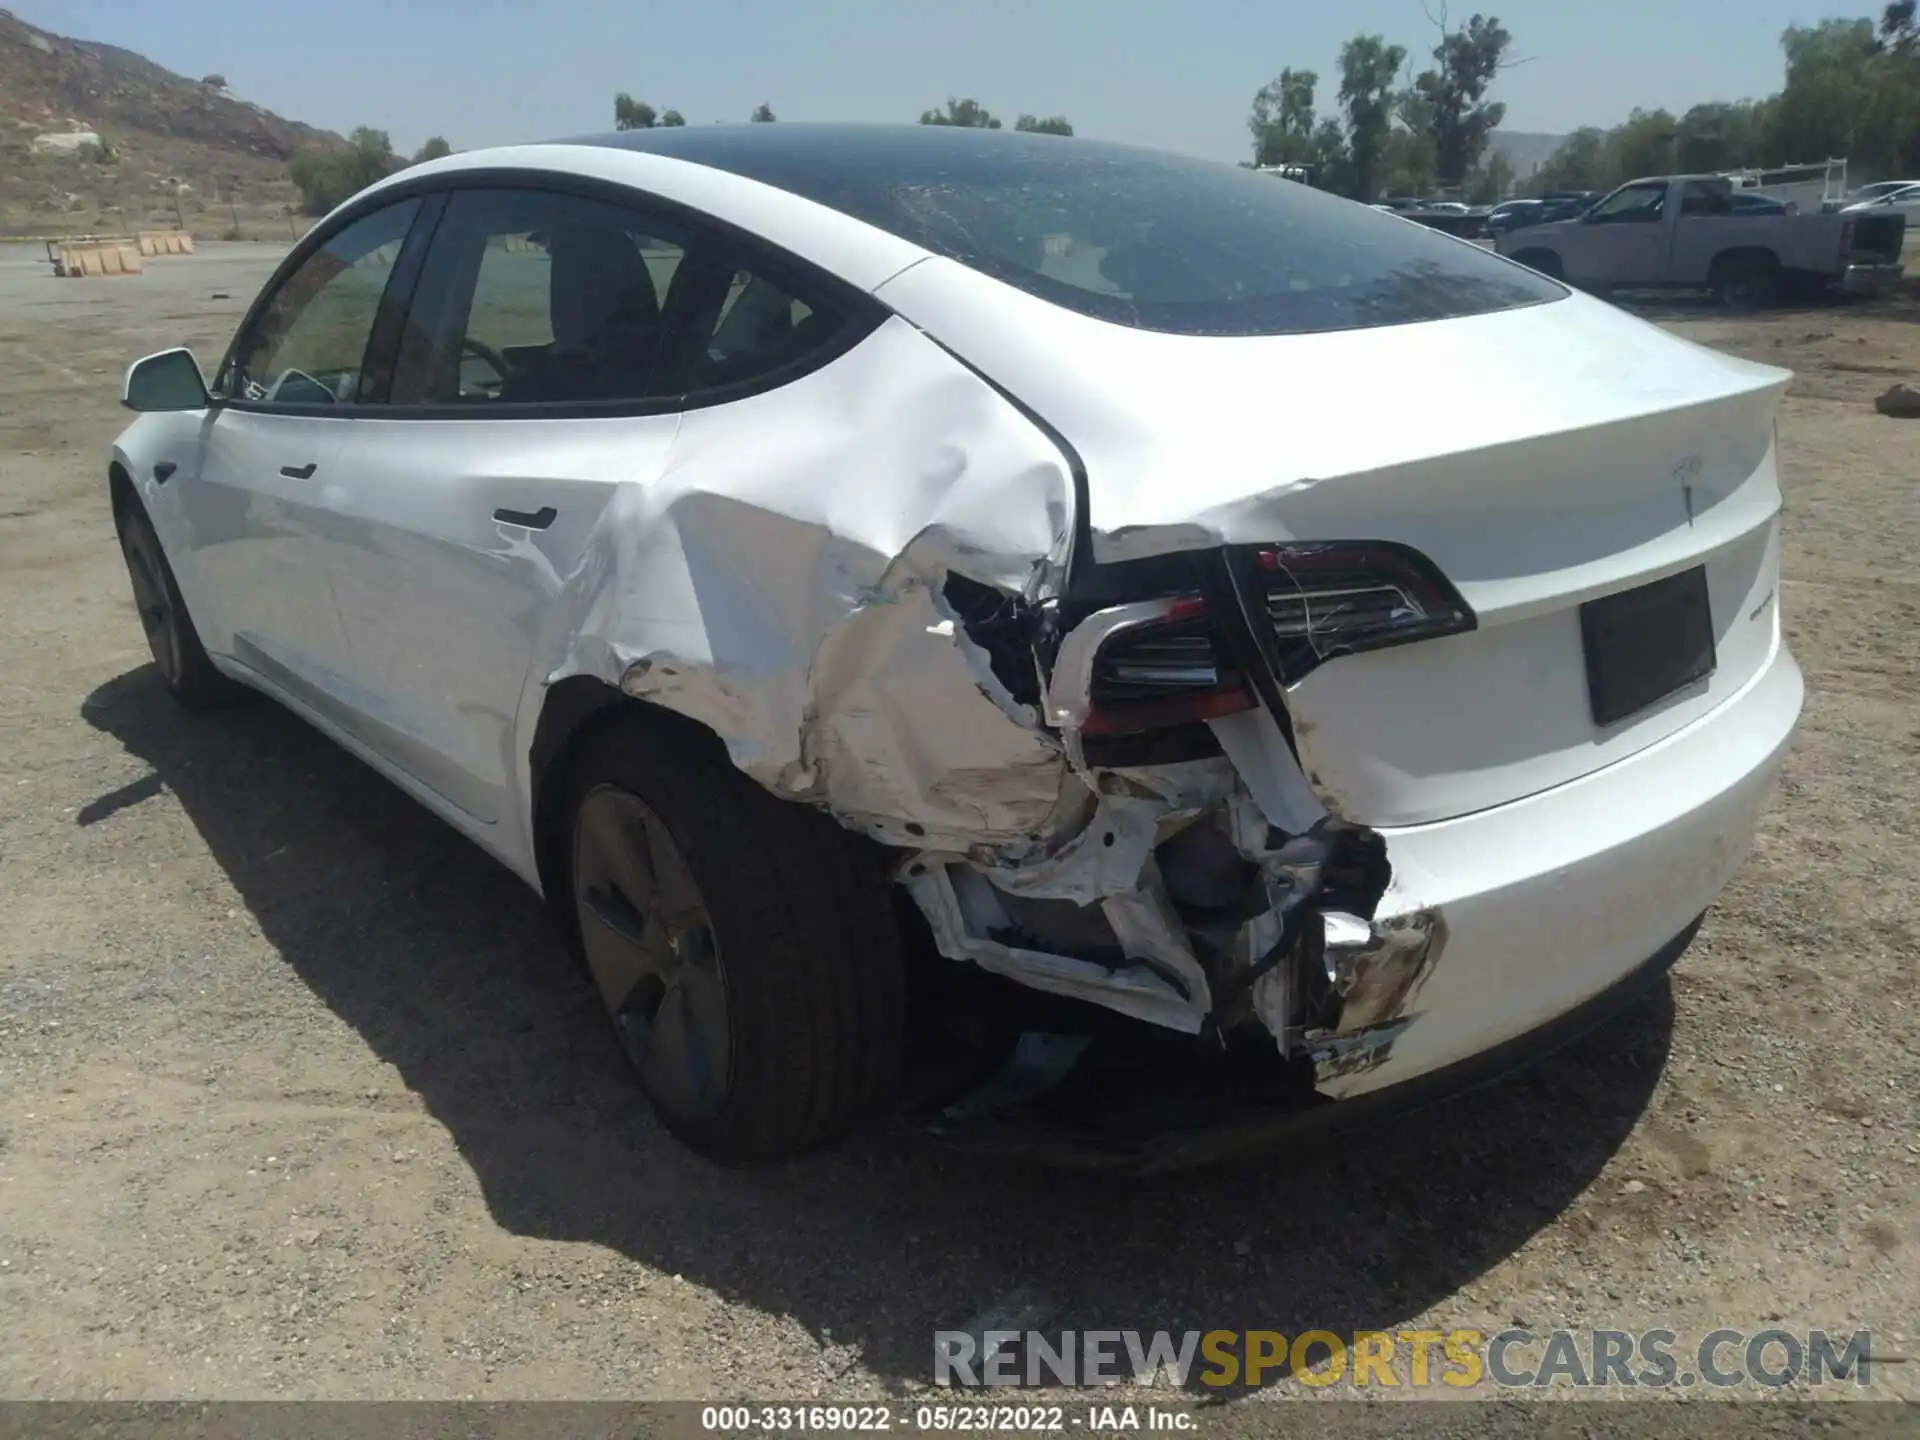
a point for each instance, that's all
(1143, 239)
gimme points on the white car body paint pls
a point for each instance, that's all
(772, 568)
(1539, 457)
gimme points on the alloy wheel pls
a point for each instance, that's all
(650, 947)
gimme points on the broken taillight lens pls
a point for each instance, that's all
(1165, 672)
(1327, 598)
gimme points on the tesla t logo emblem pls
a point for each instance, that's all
(1684, 474)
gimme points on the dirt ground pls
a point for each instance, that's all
(303, 1100)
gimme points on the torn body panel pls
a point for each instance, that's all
(780, 584)
(858, 606)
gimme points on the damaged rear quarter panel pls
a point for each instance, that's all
(780, 584)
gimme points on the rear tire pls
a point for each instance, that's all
(171, 637)
(744, 946)
(1745, 283)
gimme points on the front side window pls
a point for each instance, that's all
(1631, 204)
(307, 346)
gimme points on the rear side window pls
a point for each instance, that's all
(1153, 241)
(738, 326)
(535, 297)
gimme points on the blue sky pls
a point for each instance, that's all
(1155, 72)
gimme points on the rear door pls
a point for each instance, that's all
(258, 506)
(522, 399)
(554, 341)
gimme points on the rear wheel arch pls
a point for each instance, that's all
(574, 710)
(808, 939)
(569, 711)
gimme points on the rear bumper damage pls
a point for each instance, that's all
(1388, 964)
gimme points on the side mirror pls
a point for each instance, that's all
(170, 380)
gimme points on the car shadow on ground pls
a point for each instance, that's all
(449, 970)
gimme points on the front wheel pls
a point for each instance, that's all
(171, 638)
(744, 946)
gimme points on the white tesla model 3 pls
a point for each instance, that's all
(1202, 597)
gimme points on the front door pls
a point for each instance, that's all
(257, 507)
(1622, 240)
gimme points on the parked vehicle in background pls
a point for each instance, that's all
(1879, 190)
(1516, 214)
(1538, 210)
(1900, 197)
(1450, 216)
(1696, 232)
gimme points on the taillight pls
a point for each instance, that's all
(1159, 664)
(1164, 671)
(1327, 598)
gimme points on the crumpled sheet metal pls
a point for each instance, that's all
(787, 595)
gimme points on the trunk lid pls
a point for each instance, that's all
(1541, 457)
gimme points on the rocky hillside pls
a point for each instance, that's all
(174, 147)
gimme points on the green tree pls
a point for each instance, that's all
(1052, 125)
(1851, 91)
(968, 113)
(1580, 163)
(1282, 120)
(1461, 116)
(1488, 184)
(672, 118)
(435, 148)
(1332, 166)
(1720, 135)
(1646, 145)
(632, 114)
(1368, 68)
(1407, 159)
(326, 178)
(763, 114)
(1832, 78)
(1896, 107)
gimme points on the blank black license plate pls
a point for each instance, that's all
(1644, 644)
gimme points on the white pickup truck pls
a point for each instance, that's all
(1683, 232)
